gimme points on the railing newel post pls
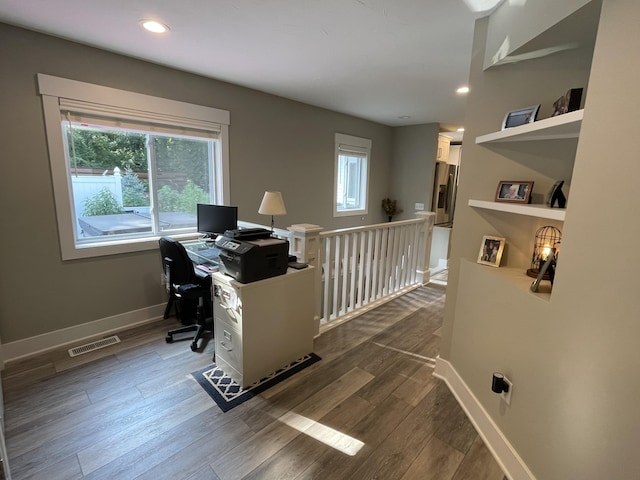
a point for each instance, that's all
(305, 245)
(423, 272)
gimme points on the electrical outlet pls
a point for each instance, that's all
(419, 206)
(506, 396)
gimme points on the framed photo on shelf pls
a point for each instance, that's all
(569, 102)
(514, 191)
(515, 118)
(555, 195)
(491, 250)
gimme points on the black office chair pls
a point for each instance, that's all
(185, 288)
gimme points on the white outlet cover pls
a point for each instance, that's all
(506, 396)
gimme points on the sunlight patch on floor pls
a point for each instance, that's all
(327, 435)
(431, 362)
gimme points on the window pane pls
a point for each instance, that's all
(184, 179)
(349, 182)
(110, 177)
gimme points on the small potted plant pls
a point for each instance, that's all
(390, 207)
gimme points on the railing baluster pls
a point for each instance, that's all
(326, 265)
(415, 251)
(360, 296)
(337, 273)
(344, 303)
(405, 257)
(353, 262)
(376, 265)
(384, 260)
(368, 270)
(391, 262)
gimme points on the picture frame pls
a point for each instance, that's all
(555, 195)
(514, 191)
(522, 116)
(491, 250)
(569, 102)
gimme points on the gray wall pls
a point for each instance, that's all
(573, 359)
(414, 153)
(274, 144)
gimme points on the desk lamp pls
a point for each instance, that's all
(272, 204)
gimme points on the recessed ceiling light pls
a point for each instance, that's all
(404, 117)
(461, 129)
(153, 26)
(463, 90)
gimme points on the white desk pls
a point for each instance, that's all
(264, 325)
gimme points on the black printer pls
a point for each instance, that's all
(252, 254)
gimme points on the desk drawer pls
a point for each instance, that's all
(228, 344)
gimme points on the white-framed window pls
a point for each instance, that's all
(351, 175)
(128, 168)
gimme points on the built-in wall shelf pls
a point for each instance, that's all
(535, 210)
(509, 282)
(561, 126)
(518, 279)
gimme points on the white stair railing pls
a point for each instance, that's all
(366, 266)
(360, 268)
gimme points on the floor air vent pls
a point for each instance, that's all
(90, 347)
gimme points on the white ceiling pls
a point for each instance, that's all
(376, 59)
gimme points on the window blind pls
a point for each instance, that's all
(95, 114)
(352, 150)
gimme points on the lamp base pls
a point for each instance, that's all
(534, 272)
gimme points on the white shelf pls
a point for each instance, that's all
(520, 280)
(562, 126)
(536, 210)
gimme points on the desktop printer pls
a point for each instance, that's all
(252, 254)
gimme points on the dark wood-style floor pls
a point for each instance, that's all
(132, 410)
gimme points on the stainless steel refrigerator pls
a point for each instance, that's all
(443, 202)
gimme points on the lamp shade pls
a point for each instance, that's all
(272, 204)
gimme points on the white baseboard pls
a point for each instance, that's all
(423, 277)
(512, 465)
(27, 347)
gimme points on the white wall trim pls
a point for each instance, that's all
(512, 465)
(27, 347)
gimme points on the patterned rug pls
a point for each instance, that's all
(227, 393)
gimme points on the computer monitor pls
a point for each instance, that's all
(214, 220)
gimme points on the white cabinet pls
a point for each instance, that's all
(261, 326)
(444, 144)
